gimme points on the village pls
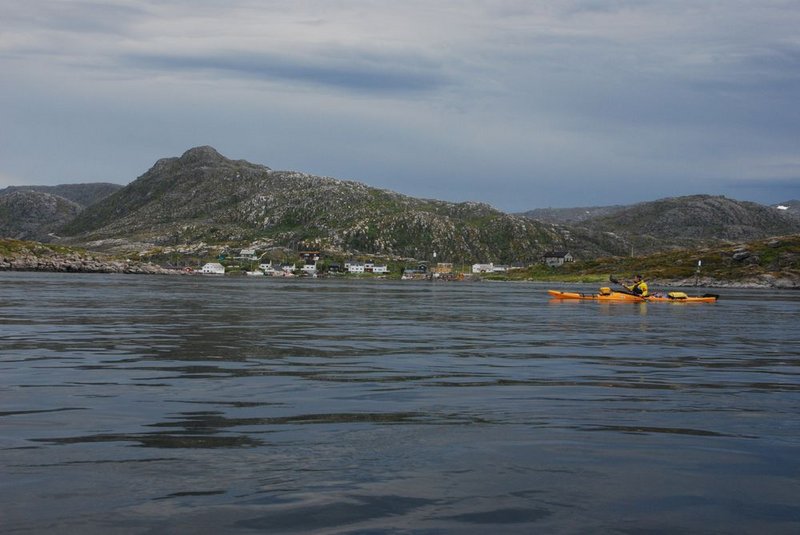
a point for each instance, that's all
(309, 264)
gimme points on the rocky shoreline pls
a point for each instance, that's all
(74, 263)
(765, 281)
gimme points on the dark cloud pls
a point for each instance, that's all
(361, 73)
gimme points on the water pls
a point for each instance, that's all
(136, 404)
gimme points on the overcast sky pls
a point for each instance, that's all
(521, 104)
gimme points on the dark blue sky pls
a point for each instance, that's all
(515, 103)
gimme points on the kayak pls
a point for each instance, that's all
(671, 297)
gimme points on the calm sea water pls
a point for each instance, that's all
(136, 404)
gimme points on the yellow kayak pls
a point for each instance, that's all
(608, 295)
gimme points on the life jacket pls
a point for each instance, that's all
(640, 288)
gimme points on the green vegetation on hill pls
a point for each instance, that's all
(772, 259)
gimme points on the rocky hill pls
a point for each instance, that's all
(37, 212)
(789, 208)
(696, 220)
(81, 194)
(679, 222)
(204, 197)
(34, 215)
(571, 216)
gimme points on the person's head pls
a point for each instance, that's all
(637, 277)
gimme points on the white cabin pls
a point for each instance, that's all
(213, 268)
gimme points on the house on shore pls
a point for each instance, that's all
(557, 258)
(213, 268)
(351, 266)
(490, 268)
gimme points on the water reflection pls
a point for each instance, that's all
(342, 406)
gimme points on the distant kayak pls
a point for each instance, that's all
(608, 295)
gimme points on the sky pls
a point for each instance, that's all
(521, 104)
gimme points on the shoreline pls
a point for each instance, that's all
(80, 264)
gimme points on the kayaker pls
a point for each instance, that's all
(639, 286)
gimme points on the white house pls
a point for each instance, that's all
(483, 268)
(355, 267)
(213, 268)
(311, 269)
(380, 269)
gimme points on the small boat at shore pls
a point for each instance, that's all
(606, 294)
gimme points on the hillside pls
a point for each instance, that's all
(204, 197)
(683, 222)
(33, 215)
(570, 216)
(772, 263)
(36, 212)
(789, 208)
(81, 194)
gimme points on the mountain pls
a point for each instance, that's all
(697, 217)
(789, 208)
(81, 194)
(567, 216)
(33, 215)
(680, 222)
(203, 199)
(202, 196)
(37, 212)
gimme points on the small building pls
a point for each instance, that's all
(310, 269)
(354, 267)
(443, 268)
(557, 258)
(483, 268)
(380, 269)
(213, 268)
(309, 257)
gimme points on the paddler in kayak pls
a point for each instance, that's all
(639, 286)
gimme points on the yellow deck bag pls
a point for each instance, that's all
(677, 295)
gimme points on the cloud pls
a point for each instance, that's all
(564, 98)
(348, 70)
